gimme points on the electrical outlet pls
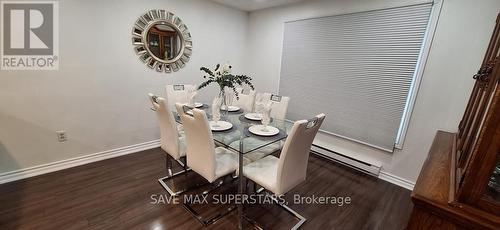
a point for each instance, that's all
(61, 136)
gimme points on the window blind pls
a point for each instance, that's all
(357, 68)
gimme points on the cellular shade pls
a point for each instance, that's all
(357, 68)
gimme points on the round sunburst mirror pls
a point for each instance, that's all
(162, 41)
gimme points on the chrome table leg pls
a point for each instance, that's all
(240, 185)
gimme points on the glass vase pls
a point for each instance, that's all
(223, 106)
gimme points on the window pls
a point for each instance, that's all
(360, 69)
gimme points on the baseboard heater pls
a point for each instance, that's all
(346, 160)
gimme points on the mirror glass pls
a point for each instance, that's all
(164, 41)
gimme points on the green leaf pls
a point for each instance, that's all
(228, 80)
(206, 70)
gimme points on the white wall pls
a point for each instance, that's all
(459, 44)
(98, 95)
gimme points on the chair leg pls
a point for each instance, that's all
(213, 186)
(213, 219)
(168, 165)
(185, 164)
(183, 172)
(171, 175)
(180, 162)
(177, 174)
(299, 217)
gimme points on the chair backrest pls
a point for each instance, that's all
(292, 165)
(169, 136)
(178, 94)
(246, 100)
(200, 150)
(279, 104)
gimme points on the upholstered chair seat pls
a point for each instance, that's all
(226, 160)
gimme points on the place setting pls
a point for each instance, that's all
(230, 108)
(264, 129)
(216, 124)
(253, 116)
(196, 105)
(191, 94)
(227, 106)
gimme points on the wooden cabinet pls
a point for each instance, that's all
(458, 187)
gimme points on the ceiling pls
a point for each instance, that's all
(251, 5)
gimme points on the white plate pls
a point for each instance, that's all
(196, 104)
(254, 116)
(261, 131)
(231, 108)
(220, 125)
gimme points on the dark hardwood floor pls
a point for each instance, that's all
(116, 194)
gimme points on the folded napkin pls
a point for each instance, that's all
(259, 106)
(229, 93)
(260, 102)
(266, 113)
(192, 92)
(216, 104)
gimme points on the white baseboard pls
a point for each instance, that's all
(77, 161)
(396, 180)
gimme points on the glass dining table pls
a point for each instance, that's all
(240, 140)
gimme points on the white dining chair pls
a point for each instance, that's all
(172, 139)
(178, 93)
(246, 99)
(203, 157)
(279, 108)
(280, 175)
(279, 105)
(212, 163)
